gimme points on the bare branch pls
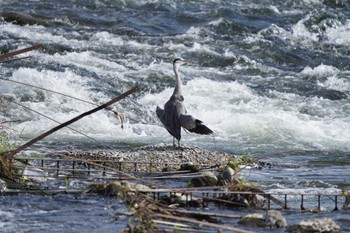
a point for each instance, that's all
(10, 154)
(14, 53)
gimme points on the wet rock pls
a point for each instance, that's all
(323, 225)
(269, 219)
(275, 219)
(228, 176)
(21, 19)
(117, 188)
(114, 189)
(189, 167)
(253, 220)
(134, 187)
(207, 178)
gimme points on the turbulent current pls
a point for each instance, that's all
(268, 77)
(265, 75)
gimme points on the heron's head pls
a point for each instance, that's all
(179, 61)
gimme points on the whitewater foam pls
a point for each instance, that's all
(237, 114)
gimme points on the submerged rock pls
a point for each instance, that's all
(322, 225)
(269, 219)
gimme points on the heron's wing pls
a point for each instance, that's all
(194, 125)
(160, 114)
(170, 117)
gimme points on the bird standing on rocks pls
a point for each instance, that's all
(174, 115)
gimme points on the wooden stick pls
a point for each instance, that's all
(10, 154)
(14, 53)
(202, 223)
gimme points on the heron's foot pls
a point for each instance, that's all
(178, 146)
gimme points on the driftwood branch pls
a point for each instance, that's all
(10, 154)
(14, 53)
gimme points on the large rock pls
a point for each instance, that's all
(322, 225)
(207, 178)
(269, 219)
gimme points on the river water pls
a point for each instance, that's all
(270, 78)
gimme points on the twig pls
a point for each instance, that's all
(10, 154)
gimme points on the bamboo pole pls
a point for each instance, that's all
(10, 154)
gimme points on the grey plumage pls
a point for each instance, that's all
(174, 115)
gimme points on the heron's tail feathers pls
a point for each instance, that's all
(194, 125)
(200, 128)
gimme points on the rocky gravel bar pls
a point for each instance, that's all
(161, 157)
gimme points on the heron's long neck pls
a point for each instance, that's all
(178, 85)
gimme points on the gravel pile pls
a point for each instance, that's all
(161, 157)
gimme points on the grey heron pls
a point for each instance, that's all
(174, 115)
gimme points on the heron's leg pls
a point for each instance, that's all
(174, 142)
